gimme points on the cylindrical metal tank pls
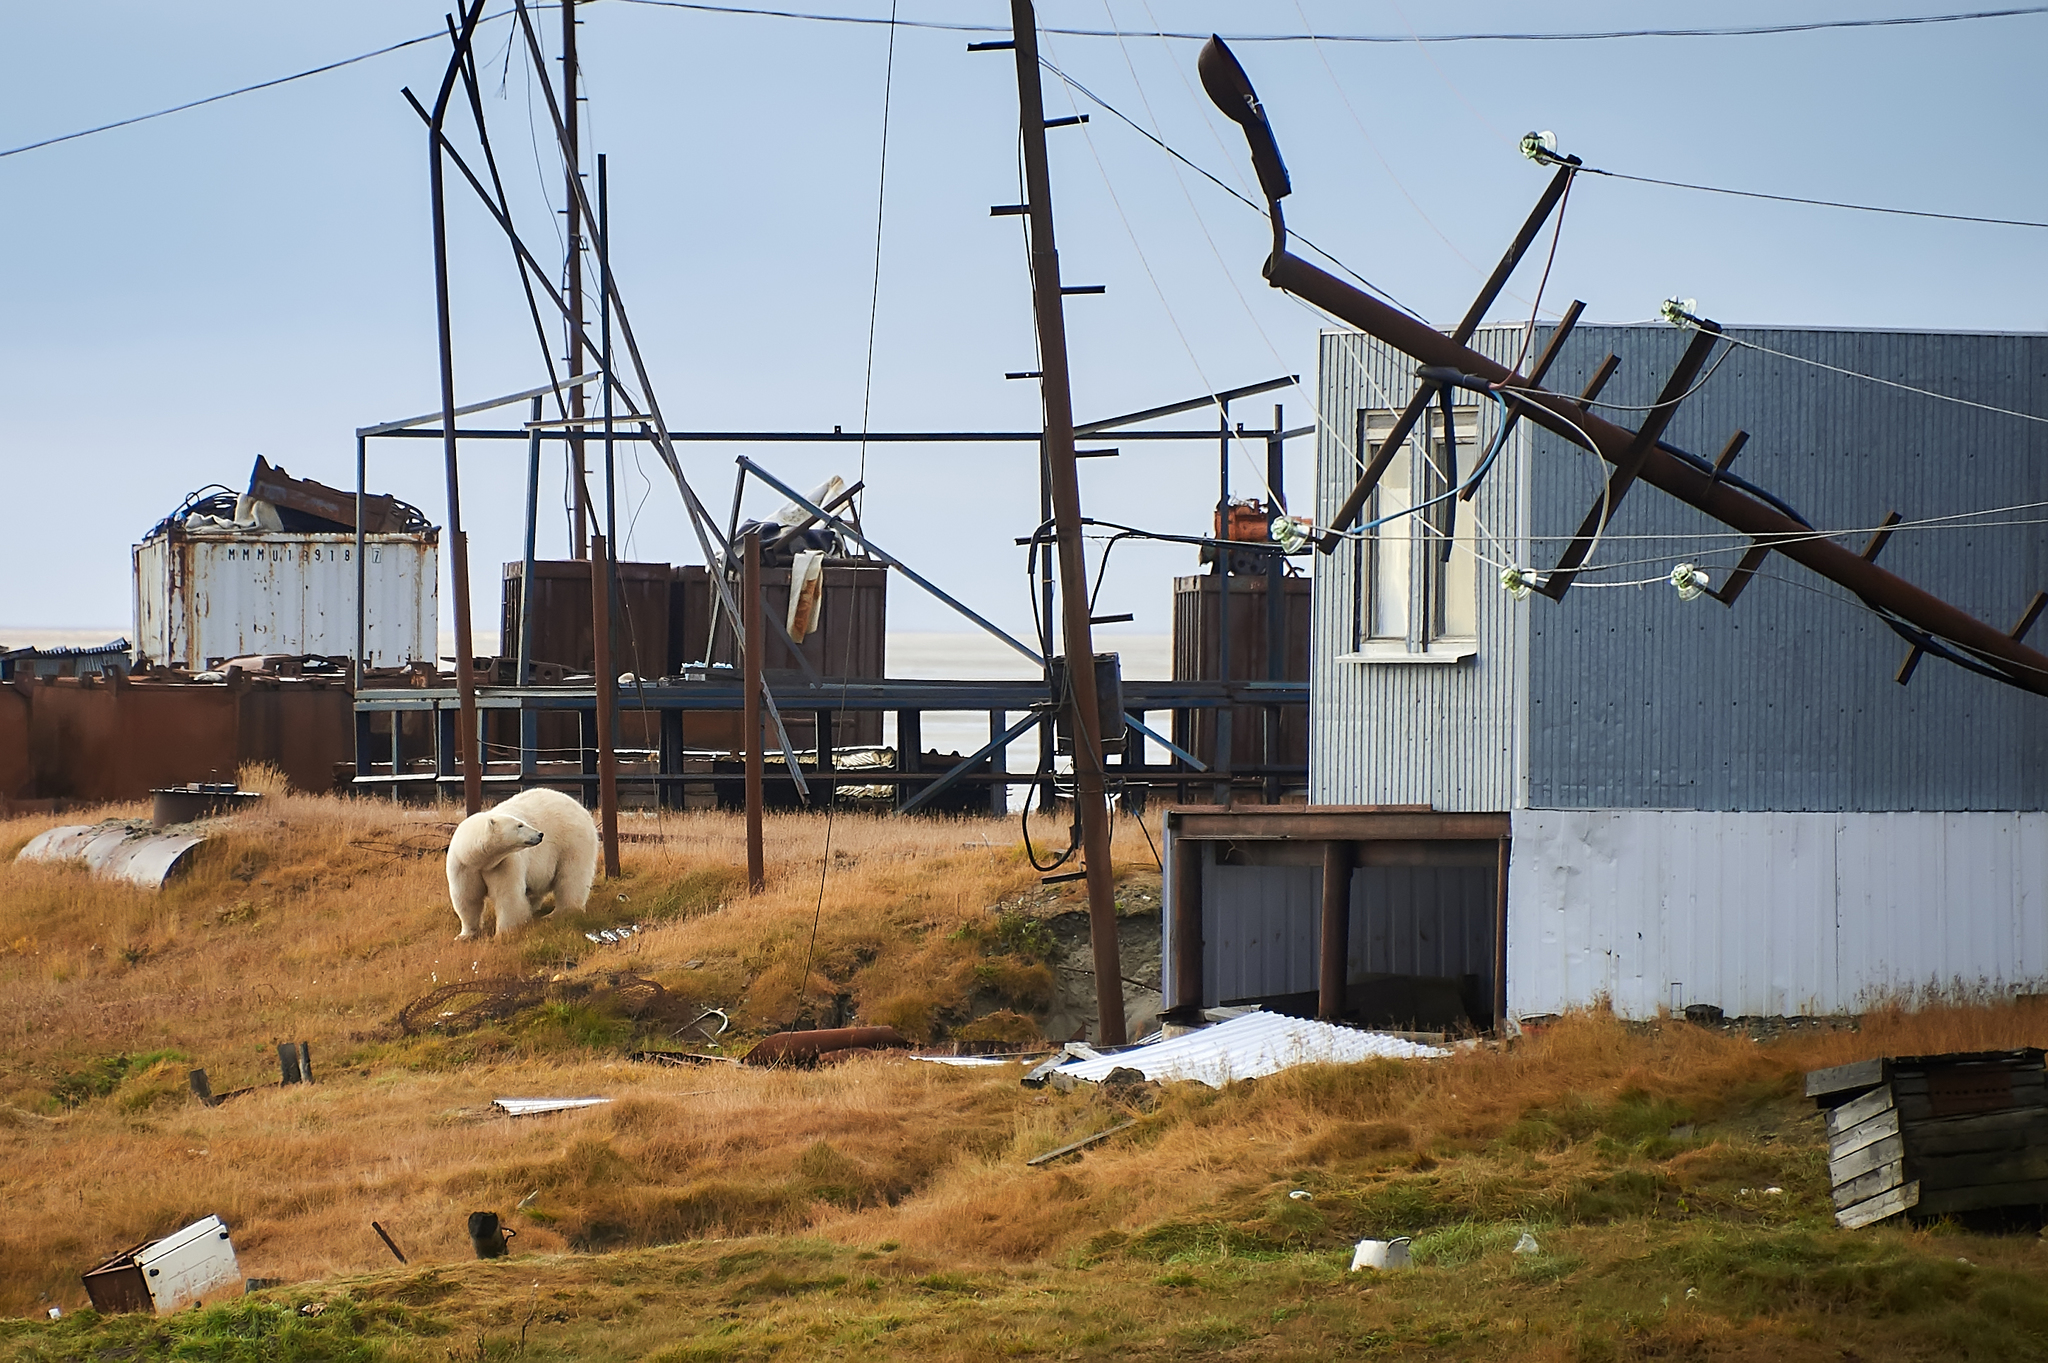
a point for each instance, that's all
(227, 594)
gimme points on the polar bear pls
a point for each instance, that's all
(537, 841)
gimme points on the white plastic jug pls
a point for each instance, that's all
(1381, 1254)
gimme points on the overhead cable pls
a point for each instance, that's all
(1731, 32)
(1596, 35)
(1817, 203)
(437, 36)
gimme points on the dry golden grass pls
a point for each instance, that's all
(882, 1208)
(317, 919)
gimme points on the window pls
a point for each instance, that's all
(1414, 603)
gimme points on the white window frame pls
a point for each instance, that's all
(1413, 627)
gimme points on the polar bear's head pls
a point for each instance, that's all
(508, 833)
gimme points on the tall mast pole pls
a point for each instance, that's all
(572, 170)
(1064, 477)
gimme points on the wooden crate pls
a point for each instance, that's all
(1935, 1134)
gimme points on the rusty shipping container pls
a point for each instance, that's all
(850, 641)
(201, 596)
(561, 616)
(117, 739)
(17, 778)
(1195, 606)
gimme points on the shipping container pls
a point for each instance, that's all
(117, 739)
(562, 616)
(208, 596)
(850, 642)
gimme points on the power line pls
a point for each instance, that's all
(1600, 35)
(230, 94)
(1818, 203)
(1386, 38)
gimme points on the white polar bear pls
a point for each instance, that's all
(537, 841)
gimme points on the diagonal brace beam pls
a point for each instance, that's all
(1559, 580)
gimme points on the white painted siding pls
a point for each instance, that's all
(1772, 914)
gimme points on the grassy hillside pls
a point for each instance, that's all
(882, 1208)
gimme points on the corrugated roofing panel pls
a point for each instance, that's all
(1248, 1047)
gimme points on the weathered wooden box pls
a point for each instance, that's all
(1935, 1134)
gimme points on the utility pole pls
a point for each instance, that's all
(572, 169)
(1064, 477)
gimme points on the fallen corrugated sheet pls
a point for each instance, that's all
(527, 1107)
(969, 1062)
(134, 852)
(1250, 1046)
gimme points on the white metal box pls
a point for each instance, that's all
(166, 1274)
(216, 595)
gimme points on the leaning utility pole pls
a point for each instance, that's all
(572, 270)
(1089, 798)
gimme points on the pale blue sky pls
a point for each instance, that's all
(255, 276)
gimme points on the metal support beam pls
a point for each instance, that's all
(750, 720)
(1354, 501)
(1334, 942)
(1629, 464)
(996, 744)
(458, 542)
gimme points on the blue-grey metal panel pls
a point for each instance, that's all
(1440, 734)
(1421, 920)
(1786, 701)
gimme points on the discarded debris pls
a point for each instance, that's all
(1933, 1134)
(528, 1107)
(119, 849)
(1527, 1245)
(1245, 1047)
(163, 1275)
(613, 936)
(389, 1243)
(488, 1237)
(1381, 1254)
(1082, 1144)
(805, 1048)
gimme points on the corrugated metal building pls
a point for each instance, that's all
(1732, 806)
(1699, 804)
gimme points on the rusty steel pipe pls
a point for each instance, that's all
(1785, 536)
(795, 1047)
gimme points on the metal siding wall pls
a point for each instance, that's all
(1786, 701)
(1772, 914)
(1259, 929)
(1411, 733)
(1421, 920)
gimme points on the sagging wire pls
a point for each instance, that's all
(867, 395)
(1680, 315)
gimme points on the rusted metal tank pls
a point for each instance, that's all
(804, 1048)
(201, 596)
(17, 777)
(850, 641)
(98, 739)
